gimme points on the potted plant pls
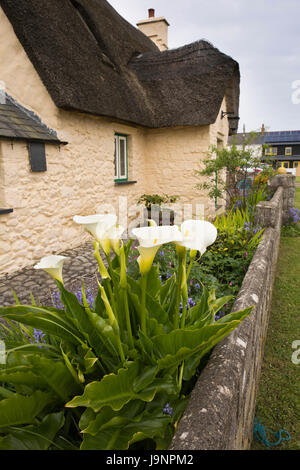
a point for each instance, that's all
(154, 211)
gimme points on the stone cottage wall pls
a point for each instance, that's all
(173, 155)
(80, 175)
(221, 409)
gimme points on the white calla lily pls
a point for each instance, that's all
(99, 226)
(150, 239)
(115, 234)
(152, 223)
(52, 265)
(197, 235)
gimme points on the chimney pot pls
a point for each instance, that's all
(151, 12)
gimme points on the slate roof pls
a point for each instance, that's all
(240, 137)
(17, 123)
(92, 60)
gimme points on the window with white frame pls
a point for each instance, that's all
(121, 157)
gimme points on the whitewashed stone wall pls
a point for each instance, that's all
(80, 176)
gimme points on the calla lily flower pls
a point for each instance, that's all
(152, 223)
(99, 226)
(197, 235)
(150, 239)
(52, 265)
(115, 234)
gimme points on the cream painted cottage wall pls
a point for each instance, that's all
(173, 155)
(80, 175)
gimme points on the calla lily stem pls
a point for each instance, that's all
(144, 309)
(183, 315)
(189, 269)
(127, 316)
(181, 266)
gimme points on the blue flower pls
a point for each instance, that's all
(167, 410)
(190, 303)
(56, 300)
(38, 336)
(219, 315)
(58, 303)
(294, 215)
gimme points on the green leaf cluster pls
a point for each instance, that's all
(99, 381)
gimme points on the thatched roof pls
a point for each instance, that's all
(18, 123)
(92, 60)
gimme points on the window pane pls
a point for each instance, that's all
(288, 150)
(115, 159)
(122, 158)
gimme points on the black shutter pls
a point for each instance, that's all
(37, 156)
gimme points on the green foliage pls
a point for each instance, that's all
(155, 199)
(227, 173)
(39, 436)
(99, 371)
(223, 265)
(292, 230)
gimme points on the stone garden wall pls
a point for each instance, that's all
(221, 410)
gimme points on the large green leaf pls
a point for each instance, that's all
(153, 305)
(115, 431)
(115, 390)
(153, 282)
(173, 348)
(80, 318)
(145, 378)
(21, 409)
(34, 437)
(41, 318)
(156, 311)
(167, 290)
(233, 316)
(57, 376)
(23, 378)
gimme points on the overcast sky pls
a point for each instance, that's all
(262, 35)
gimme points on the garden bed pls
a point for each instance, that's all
(229, 378)
(220, 412)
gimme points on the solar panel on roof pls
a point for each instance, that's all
(287, 136)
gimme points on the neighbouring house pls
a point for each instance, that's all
(283, 149)
(280, 148)
(93, 114)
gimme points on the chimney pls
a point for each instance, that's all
(263, 129)
(156, 28)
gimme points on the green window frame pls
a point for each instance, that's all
(121, 157)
